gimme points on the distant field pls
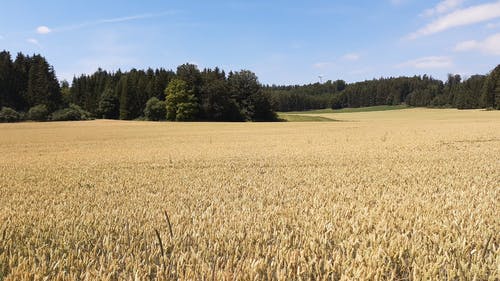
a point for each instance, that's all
(384, 195)
(351, 110)
(303, 118)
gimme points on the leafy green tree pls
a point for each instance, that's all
(156, 110)
(181, 104)
(38, 113)
(9, 115)
(186, 111)
(71, 113)
(65, 92)
(245, 89)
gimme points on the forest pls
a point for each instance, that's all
(478, 91)
(30, 90)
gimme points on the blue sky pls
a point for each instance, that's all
(284, 42)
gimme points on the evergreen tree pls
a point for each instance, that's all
(490, 97)
(125, 98)
(109, 106)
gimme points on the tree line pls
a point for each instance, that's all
(478, 91)
(30, 90)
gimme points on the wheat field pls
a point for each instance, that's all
(397, 195)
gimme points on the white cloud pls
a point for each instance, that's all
(428, 62)
(361, 71)
(492, 25)
(1, 37)
(442, 7)
(467, 16)
(323, 64)
(351, 57)
(33, 41)
(490, 45)
(43, 30)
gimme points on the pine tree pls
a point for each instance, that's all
(124, 98)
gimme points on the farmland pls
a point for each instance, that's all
(404, 194)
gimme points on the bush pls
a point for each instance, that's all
(72, 113)
(155, 110)
(38, 113)
(9, 115)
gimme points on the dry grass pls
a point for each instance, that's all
(397, 195)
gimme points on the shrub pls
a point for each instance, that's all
(72, 113)
(155, 110)
(38, 113)
(9, 115)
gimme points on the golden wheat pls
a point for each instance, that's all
(397, 195)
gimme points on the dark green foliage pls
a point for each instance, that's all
(263, 110)
(213, 98)
(306, 97)
(190, 74)
(109, 105)
(43, 87)
(156, 110)
(216, 103)
(490, 97)
(38, 113)
(414, 91)
(30, 81)
(9, 115)
(422, 96)
(71, 113)
(6, 86)
(247, 93)
(469, 92)
(125, 97)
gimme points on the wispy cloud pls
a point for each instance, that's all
(442, 7)
(461, 17)
(1, 37)
(33, 41)
(361, 70)
(493, 25)
(428, 62)
(351, 57)
(323, 64)
(43, 30)
(330, 64)
(490, 45)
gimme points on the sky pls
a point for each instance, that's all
(282, 41)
